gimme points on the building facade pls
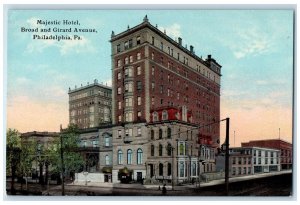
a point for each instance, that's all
(286, 150)
(150, 70)
(245, 161)
(160, 89)
(90, 105)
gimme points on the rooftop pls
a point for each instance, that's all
(89, 86)
(179, 45)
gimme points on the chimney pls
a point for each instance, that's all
(209, 57)
(180, 41)
(191, 49)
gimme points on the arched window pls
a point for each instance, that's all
(152, 150)
(160, 133)
(152, 134)
(139, 156)
(169, 148)
(129, 156)
(160, 150)
(164, 115)
(169, 169)
(120, 157)
(107, 161)
(169, 132)
(161, 169)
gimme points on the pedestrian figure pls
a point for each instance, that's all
(164, 190)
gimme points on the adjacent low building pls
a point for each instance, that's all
(286, 150)
(250, 160)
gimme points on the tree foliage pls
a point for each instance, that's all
(73, 161)
(13, 145)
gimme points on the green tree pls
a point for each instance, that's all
(27, 156)
(13, 150)
(72, 159)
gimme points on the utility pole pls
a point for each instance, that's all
(62, 166)
(227, 156)
(234, 138)
(172, 148)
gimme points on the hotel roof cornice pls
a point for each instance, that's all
(147, 24)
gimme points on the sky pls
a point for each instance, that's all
(254, 47)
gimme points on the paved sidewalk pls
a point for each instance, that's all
(182, 187)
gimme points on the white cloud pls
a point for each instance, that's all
(33, 22)
(108, 82)
(172, 30)
(250, 42)
(77, 46)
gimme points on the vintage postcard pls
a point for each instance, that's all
(172, 102)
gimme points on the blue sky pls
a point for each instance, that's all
(255, 48)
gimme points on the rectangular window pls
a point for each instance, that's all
(107, 141)
(139, 85)
(128, 132)
(139, 100)
(161, 89)
(95, 143)
(138, 70)
(119, 104)
(130, 43)
(130, 59)
(152, 70)
(138, 56)
(119, 63)
(119, 90)
(119, 76)
(128, 87)
(139, 114)
(161, 46)
(138, 40)
(126, 45)
(118, 48)
(153, 86)
(169, 51)
(119, 133)
(172, 52)
(139, 131)
(126, 61)
(128, 116)
(152, 100)
(177, 56)
(128, 102)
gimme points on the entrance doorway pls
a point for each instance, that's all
(151, 170)
(139, 176)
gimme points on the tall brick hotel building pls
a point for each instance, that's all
(152, 71)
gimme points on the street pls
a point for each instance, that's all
(278, 185)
